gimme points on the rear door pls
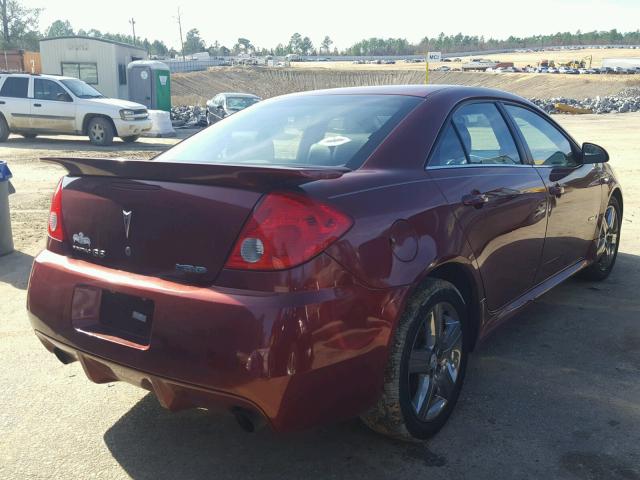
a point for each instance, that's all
(52, 109)
(574, 190)
(15, 102)
(498, 199)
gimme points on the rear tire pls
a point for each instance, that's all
(100, 132)
(130, 139)
(426, 366)
(4, 129)
(607, 244)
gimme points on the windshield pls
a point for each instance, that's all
(322, 130)
(81, 89)
(238, 103)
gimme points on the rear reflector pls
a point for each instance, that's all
(55, 215)
(285, 230)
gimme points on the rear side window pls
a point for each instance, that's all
(449, 150)
(548, 146)
(485, 136)
(313, 130)
(16, 87)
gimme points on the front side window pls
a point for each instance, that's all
(16, 87)
(485, 136)
(81, 89)
(548, 146)
(87, 72)
(314, 130)
(49, 90)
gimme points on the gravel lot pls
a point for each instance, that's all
(553, 394)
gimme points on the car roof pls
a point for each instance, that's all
(234, 94)
(38, 75)
(453, 92)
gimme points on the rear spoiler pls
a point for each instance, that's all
(248, 176)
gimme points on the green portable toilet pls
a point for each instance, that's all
(150, 84)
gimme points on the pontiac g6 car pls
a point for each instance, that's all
(322, 255)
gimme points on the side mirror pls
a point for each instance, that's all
(64, 97)
(592, 153)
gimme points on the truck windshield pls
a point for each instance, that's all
(81, 89)
(311, 130)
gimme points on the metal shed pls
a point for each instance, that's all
(99, 62)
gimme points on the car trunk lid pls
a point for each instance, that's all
(169, 220)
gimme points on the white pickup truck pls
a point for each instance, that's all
(32, 104)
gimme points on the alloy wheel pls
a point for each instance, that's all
(608, 238)
(434, 361)
(97, 132)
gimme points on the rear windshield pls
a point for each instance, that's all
(323, 130)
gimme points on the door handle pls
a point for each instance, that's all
(2, 102)
(556, 190)
(475, 199)
(37, 104)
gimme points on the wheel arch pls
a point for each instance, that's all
(90, 116)
(461, 275)
(618, 194)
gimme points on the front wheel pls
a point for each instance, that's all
(100, 132)
(607, 246)
(426, 365)
(4, 129)
(130, 139)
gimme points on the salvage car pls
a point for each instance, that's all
(32, 104)
(225, 104)
(322, 255)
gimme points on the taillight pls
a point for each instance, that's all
(55, 215)
(285, 230)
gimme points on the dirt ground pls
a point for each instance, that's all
(196, 88)
(553, 394)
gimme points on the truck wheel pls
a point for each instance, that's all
(426, 366)
(130, 139)
(100, 132)
(4, 129)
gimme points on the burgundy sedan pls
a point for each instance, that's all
(322, 255)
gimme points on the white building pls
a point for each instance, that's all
(621, 62)
(99, 62)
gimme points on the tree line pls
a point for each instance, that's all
(19, 29)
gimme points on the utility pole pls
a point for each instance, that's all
(179, 20)
(133, 26)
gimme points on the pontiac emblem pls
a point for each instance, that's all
(127, 222)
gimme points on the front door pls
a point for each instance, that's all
(52, 110)
(14, 100)
(499, 201)
(140, 85)
(574, 191)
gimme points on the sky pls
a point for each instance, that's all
(267, 23)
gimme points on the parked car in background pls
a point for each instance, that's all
(324, 254)
(32, 105)
(225, 104)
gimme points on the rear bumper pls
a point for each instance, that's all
(298, 358)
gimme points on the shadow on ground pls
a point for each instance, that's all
(552, 394)
(15, 268)
(82, 144)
